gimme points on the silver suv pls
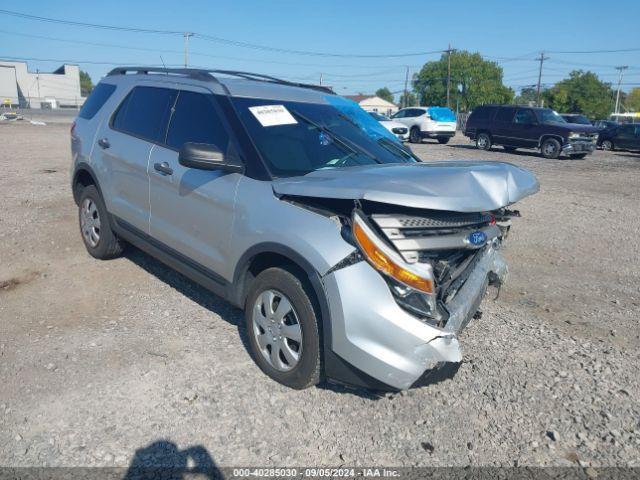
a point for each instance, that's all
(354, 261)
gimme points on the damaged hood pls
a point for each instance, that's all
(459, 186)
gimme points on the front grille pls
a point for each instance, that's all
(435, 220)
(399, 130)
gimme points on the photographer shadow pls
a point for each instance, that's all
(163, 459)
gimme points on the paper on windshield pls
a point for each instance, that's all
(272, 115)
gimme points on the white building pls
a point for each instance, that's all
(21, 88)
(371, 103)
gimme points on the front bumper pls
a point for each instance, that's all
(375, 335)
(578, 147)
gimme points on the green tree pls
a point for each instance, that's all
(632, 102)
(385, 94)
(86, 85)
(527, 96)
(582, 92)
(474, 81)
(409, 101)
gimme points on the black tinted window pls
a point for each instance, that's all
(195, 120)
(524, 117)
(100, 94)
(505, 114)
(483, 113)
(145, 112)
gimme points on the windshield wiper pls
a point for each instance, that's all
(344, 142)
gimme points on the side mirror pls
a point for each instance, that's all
(206, 156)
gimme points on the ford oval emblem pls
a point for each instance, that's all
(477, 238)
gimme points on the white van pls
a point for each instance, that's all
(428, 122)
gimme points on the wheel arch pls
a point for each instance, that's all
(83, 176)
(547, 136)
(270, 254)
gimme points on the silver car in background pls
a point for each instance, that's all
(354, 262)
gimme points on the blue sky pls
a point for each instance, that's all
(506, 31)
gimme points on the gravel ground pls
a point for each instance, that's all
(101, 359)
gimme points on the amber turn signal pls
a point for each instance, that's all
(382, 259)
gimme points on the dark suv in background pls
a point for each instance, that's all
(515, 126)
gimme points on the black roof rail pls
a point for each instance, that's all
(205, 74)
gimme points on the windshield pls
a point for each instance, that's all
(441, 114)
(296, 138)
(379, 117)
(547, 115)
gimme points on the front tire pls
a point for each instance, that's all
(607, 145)
(443, 140)
(414, 135)
(483, 141)
(98, 238)
(550, 148)
(283, 329)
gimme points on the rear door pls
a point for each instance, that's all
(501, 127)
(525, 130)
(124, 145)
(625, 137)
(192, 210)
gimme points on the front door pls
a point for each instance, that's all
(525, 131)
(192, 210)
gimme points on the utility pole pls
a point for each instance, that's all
(406, 81)
(186, 48)
(621, 69)
(38, 83)
(449, 50)
(541, 59)
(320, 78)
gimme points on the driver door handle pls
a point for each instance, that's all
(163, 168)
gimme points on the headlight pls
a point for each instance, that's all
(418, 276)
(575, 135)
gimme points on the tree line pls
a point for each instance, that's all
(476, 81)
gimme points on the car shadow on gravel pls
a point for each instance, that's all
(520, 153)
(163, 459)
(191, 290)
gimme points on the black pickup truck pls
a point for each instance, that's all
(514, 126)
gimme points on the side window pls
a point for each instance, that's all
(398, 114)
(195, 120)
(524, 117)
(96, 100)
(145, 112)
(505, 114)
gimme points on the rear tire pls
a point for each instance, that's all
(98, 238)
(414, 135)
(483, 141)
(443, 140)
(550, 148)
(284, 337)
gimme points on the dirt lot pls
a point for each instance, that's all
(100, 359)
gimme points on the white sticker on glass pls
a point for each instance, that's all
(272, 115)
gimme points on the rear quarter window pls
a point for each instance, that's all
(482, 113)
(96, 100)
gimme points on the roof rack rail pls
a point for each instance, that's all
(206, 74)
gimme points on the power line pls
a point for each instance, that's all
(213, 38)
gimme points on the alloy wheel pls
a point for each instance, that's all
(90, 222)
(277, 331)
